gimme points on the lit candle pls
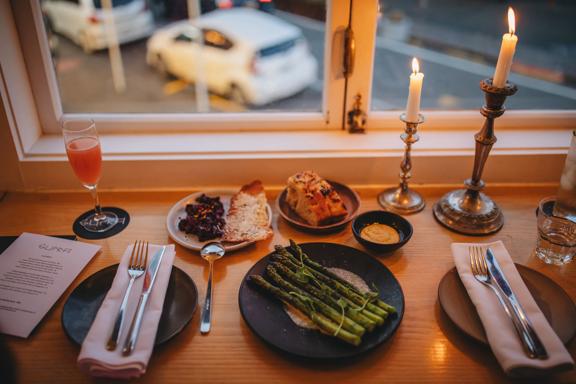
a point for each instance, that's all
(415, 90)
(507, 49)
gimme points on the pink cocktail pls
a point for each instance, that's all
(85, 158)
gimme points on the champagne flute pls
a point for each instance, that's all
(85, 157)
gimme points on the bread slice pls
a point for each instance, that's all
(247, 219)
(314, 199)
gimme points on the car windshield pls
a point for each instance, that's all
(115, 3)
(277, 48)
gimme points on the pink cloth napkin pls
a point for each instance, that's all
(500, 332)
(94, 358)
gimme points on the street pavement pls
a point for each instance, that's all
(451, 80)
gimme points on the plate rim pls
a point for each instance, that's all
(309, 227)
(229, 247)
(353, 354)
(157, 342)
(520, 268)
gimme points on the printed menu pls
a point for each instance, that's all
(34, 272)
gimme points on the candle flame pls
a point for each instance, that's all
(415, 66)
(511, 21)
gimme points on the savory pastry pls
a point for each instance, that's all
(314, 199)
(247, 218)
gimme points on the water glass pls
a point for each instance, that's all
(556, 235)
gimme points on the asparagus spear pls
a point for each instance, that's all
(346, 292)
(290, 263)
(322, 322)
(323, 295)
(336, 316)
(320, 268)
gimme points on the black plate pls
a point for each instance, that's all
(266, 317)
(83, 303)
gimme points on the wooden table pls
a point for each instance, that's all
(426, 348)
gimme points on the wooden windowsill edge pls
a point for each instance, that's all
(315, 144)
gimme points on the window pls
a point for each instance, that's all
(458, 44)
(47, 76)
(272, 59)
(127, 56)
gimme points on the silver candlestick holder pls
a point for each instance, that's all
(403, 200)
(468, 210)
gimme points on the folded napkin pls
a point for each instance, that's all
(94, 358)
(499, 329)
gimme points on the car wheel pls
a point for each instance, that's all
(237, 95)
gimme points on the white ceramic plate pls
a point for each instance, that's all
(178, 211)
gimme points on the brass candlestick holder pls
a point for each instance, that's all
(403, 200)
(470, 211)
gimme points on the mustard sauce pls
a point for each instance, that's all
(380, 233)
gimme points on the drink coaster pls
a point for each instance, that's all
(123, 221)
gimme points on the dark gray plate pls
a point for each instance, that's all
(266, 317)
(553, 301)
(83, 303)
(349, 197)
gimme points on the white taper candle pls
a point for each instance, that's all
(507, 50)
(414, 92)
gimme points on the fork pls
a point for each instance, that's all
(480, 271)
(136, 268)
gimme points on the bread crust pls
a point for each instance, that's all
(247, 219)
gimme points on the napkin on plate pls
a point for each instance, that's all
(500, 331)
(94, 358)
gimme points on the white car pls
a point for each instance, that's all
(83, 21)
(248, 55)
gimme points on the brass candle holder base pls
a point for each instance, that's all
(403, 200)
(470, 213)
(468, 210)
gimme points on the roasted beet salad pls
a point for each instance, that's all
(204, 219)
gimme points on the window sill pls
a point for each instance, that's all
(316, 144)
(201, 160)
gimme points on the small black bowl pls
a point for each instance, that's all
(397, 222)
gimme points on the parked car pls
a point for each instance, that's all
(251, 56)
(83, 21)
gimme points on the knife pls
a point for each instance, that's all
(518, 311)
(149, 279)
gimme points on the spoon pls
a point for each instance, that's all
(209, 252)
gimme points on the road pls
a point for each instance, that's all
(450, 82)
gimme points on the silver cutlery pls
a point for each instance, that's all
(149, 279)
(136, 267)
(506, 290)
(210, 252)
(482, 274)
